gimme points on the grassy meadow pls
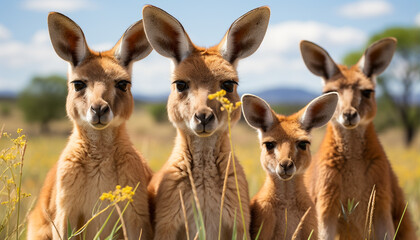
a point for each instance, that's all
(155, 140)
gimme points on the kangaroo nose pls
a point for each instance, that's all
(99, 110)
(287, 165)
(204, 118)
(350, 115)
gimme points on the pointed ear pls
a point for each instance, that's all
(257, 112)
(318, 61)
(245, 35)
(378, 56)
(166, 34)
(67, 38)
(319, 111)
(133, 45)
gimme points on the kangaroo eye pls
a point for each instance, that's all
(269, 145)
(181, 85)
(79, 85)
(228, 85)
(366, 93)
(302, 144)
(122, 85)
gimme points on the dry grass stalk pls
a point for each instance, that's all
(22, 157)
(285, 217)
(299, 226)
(194, 190)
(369, 213)
(223, 195)
(52, 222)
(185, 214)
(122, 221)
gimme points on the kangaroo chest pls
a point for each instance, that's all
(208, 178)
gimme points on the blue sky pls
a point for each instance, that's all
(338, 26)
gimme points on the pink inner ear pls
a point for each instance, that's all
(133, 39)
(72, 40)
(259, 110)
(315, 109)
(169, 46)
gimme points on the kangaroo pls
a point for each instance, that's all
(99, 154)
(283, 200)
(202, 144)
(351, 161)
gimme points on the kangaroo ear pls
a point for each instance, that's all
(319, 111)
(133, 45)
(257, 112)
(378, 56)
(67, 38)
(245, 35)
(166, 34)
(317, 60)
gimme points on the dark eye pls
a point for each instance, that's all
(302, 144)
(122, 85)
(229, 85)
(181, 85)
(79, 85)
(269, 145)
(366, 93)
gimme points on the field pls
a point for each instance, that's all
(155, 140)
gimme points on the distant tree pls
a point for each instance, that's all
(158, 112)
(399, 84)
(44, 100)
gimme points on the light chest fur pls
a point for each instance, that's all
(207, 160)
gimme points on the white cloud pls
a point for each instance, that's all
(278, 61)
(417, 19)
(276, 64)
(151, 76)
(366, 9)
(56, 5)
(4, 33)
(282, 40)
(36, 55)
(102, 46)
(20, 60)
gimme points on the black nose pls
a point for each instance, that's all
(99, 110)
(287, 165)
(204, 118)
(350, 115)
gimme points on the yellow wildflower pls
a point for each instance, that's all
(226, 104)
(118, 195)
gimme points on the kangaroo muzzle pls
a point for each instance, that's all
(99, 115)
(286, 169)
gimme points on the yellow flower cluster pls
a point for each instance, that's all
(119, 194)
(226, 104)
(15, 199)
(19, 143)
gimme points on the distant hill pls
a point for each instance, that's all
(7, 95)
(273, 96)
(286, 96)
(151, 99)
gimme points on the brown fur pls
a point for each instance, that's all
(351, 160)
(98, 155)
(206, 156)
(201, 148)
(279, 206)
